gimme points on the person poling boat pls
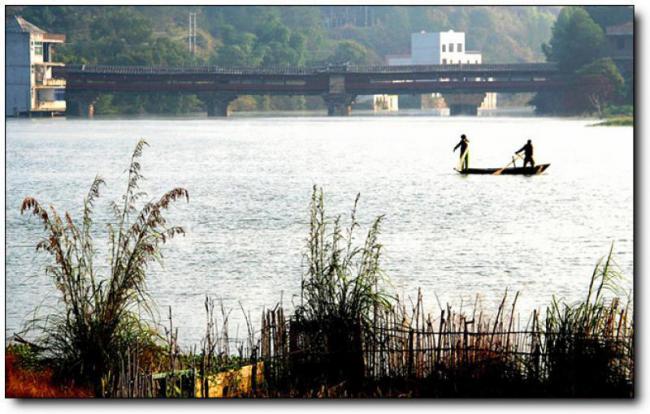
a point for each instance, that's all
(508, 169)
(527, 149)
(463, 162)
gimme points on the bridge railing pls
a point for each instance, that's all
(163, 70)
(460, 67)
(283, 70)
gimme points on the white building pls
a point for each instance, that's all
(30, 88)
(441, 48)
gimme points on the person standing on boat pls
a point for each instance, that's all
(464, 152)
(528, 154)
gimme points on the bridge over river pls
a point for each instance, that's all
(463, 86)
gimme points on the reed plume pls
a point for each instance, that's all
(98, 318)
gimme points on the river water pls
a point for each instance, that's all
(250, 182)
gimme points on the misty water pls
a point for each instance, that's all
(250, 183)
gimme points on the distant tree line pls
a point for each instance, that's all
(579, 47)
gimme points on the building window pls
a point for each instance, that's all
(460, 47)
(444, 48)
(476, 62)
(38, 48)
(451, 47)
(444, 61)
(620, 43)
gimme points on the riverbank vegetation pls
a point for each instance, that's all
(584, 349)
(101, 316)
(348, 336)
(618, 116)
(580, 48)
(619, 121)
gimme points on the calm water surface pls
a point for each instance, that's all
(250, 182)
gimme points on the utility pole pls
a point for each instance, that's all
(191, 38)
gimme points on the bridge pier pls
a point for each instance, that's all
(339, 104)
(217, 103)
(80, 104)
(464, 103)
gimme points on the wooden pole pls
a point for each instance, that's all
(499, 171)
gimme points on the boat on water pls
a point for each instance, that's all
(536, 170)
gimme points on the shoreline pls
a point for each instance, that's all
(413, 354)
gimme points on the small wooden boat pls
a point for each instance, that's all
(538, 169)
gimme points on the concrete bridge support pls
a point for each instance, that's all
(339, 104)
(217, 103)
(464, 103)
(80, 104)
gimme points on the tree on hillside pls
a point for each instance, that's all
(577, 45)
(598, 83)
(240, 49)
(349, 51)
(576, 41)
(266, 42)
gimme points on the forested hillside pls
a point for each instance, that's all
(289, 35)
(277, 35)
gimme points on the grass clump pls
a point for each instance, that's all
(99, 319)
(619, 120)
(588, 344)
(340, 295)
(342, 280)
(618, 110)
(28, 376)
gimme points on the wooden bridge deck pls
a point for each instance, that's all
(337, 84)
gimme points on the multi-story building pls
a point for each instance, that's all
(30, 87)
(620, 46)
(441, 48)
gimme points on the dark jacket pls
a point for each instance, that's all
(463, 144)
(527, 149)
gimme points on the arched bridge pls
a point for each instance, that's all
(338, 85)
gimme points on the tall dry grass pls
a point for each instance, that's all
(586, 342)
(343, 281)
(101, 316)
(341, 293)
